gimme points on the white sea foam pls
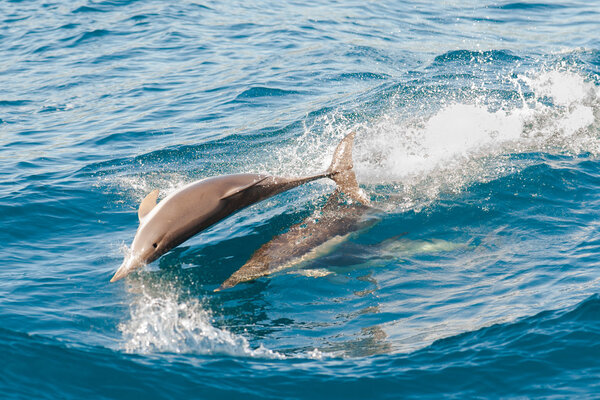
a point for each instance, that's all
(462, 132)
(161, 321)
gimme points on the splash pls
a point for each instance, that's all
(446, 148)
(160, 320)
(463, 143)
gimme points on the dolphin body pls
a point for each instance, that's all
(316, 237)
(334, 223)
(201, 204)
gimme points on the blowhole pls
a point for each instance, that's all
(154, 245)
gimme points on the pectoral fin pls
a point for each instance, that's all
(147, 204)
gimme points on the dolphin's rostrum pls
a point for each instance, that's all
(201, 204)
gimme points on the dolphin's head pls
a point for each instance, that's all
(150, 241)
(148, 245)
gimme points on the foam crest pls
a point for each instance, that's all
(161, 321)
(455, 132)
(475, 141)
(563, 87)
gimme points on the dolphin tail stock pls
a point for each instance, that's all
(342, 173)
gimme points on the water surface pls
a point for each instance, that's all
(478, 137)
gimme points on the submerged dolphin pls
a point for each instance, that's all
(201, 204)
(316, 237)
(335, 222)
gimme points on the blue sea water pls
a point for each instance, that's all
(478, 137)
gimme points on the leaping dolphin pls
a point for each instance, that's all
(201, 204)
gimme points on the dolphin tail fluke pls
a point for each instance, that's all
(341, 171)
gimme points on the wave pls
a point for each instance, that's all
(551, 353)
(530, 6)
(479, 57)
(532, 357)
(87, 9)
(14, 103)
(88, 36)
(260, 91)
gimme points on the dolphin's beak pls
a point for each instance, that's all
(128, 266)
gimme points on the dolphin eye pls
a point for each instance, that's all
(154, 245)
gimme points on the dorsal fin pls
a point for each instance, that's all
(239, 189)
(147, 204)
(341, 171)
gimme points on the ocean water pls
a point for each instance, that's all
(478, 138)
